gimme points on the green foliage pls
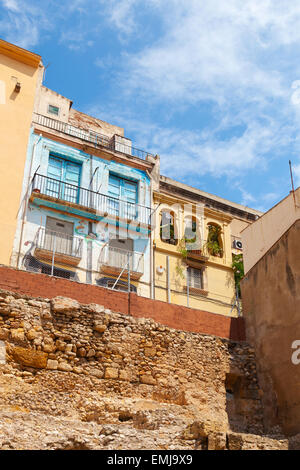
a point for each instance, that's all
(213, 240)
(238, 269)
(182, 249)
(171, 233)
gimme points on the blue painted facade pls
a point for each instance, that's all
(102, 200)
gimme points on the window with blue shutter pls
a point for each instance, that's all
(123, 197)
(64, 179)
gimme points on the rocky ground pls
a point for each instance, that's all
(83, 377)
(75, 414)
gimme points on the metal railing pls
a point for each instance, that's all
(203, 248)
(98, 140)
(101, 203)
(59, 243)
(118, 258)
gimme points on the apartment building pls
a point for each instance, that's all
(195, 236)
(86, 200)
(19, 73)
(79, 201)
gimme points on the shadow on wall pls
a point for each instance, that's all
(241, 402)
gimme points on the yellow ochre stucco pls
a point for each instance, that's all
(218, 293)
(19, 70)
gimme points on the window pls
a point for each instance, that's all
(190, 229)
(59, 236)
(195, 278)
(214, 240)
(167, 228)
(123, 197)
(64, 179)
(53, 109)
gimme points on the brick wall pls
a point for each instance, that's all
(188, 319)
(174, 316)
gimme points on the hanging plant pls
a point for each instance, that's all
(182, 249)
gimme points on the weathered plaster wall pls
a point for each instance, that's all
(271, 306)
(261, 235)
(84, 121)
(15, 118)
(38, 153)
(45, 97)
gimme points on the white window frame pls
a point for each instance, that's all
(192, 278)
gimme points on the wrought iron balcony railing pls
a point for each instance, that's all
(58, 243)
(100, 203)
(118, 259)
(98, 140)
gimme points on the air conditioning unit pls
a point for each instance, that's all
(237, 244)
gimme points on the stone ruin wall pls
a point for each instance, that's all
(102, 368)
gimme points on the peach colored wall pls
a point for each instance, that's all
(261, 235)
(271, 307)
(15, 119)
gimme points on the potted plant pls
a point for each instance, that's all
(213, 243)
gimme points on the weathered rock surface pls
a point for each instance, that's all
(82, 377)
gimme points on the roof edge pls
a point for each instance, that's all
(19, 54)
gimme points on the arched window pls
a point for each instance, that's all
(168, 232)
(191, 234)
(214, 240)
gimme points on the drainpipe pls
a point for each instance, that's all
(27, 197)
(168, 279)
(153, 272)
(151, 247)
(151, 240)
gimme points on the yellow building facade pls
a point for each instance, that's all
(128, 227)
(193, 243)
(19, 72)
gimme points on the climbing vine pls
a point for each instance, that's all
(213, 240)
(238, 269)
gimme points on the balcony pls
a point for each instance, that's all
(113, 260)
(198, 251)
(64, 249)
(69, 198)
(115, 144)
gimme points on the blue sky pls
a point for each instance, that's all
(213, 87)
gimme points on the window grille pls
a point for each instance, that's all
(196, 278)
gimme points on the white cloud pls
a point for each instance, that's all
(240, 56)
(296, 170)
(25, 22)
(22, 22)
(11, 5)
(120, 13)
(184, 153)
(75, 40)
(211, 50)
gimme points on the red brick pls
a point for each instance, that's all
(174, 316)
